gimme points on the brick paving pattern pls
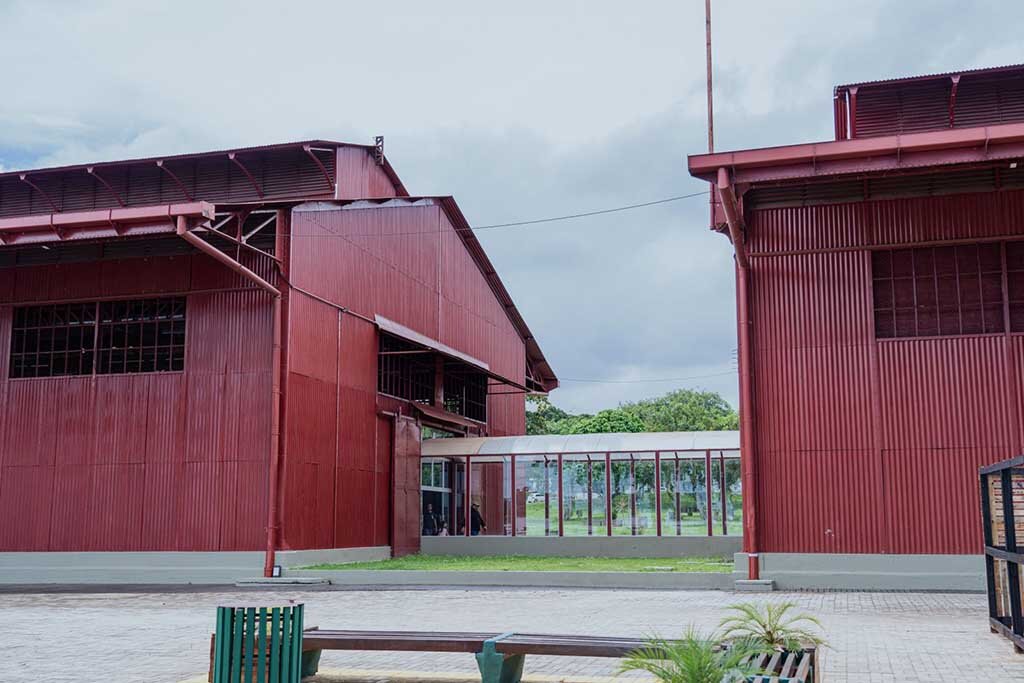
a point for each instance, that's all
(161, 637)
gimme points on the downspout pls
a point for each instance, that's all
(734, 220)
(181, 228)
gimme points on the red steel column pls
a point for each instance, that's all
(707, 491)
(675, 487)
(722, 492)
(467, 502)
(547, 498)
(608, 492)
(632, 494)
(512, 495)
(657, 488)
(590, 497)
(561, 499)
(748, 457)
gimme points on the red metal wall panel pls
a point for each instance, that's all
(171, 461)
(359, 175)
(881, 438)
(823, 501)
(407, 264)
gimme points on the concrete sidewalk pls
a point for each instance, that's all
(161, 637)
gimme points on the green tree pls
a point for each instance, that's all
(606, 421)
(543, 417)
(684, 410)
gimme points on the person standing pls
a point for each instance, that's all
(429, 521)
(476, 521)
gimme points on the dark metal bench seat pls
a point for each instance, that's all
(500, 656)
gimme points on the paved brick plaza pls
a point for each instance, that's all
(164, 637)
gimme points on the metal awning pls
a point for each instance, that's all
(444, 417)
(100, 224)
(410, 335)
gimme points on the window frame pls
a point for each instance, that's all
(97, 327)
(992, 308)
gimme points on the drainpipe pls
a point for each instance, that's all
(276, 442)
(734, 220)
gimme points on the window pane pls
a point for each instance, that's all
(48, 341)
(537, 481)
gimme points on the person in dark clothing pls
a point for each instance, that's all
(429, 521)
(476, 521)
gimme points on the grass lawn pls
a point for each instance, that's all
(542, 564)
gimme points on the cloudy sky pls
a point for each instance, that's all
(521, 110)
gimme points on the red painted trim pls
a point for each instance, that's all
(860, 155)
(110, 188)
(512, 493)
(176, 179)
(722, 493)
(561, 498)
(252, 180)
(748, 456)
(608, 492)
(468, 502)
(590, 497)
(707, 492)
(223, 258)
(657, 489)
(632, 495)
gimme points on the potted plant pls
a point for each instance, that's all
(778, 628)
(696, 659)
(773, 625)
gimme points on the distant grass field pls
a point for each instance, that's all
(541, 564)
(691, 524)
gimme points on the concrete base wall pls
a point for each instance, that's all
(395, 577)
(584, 546)
(162, 567)
(795, 571)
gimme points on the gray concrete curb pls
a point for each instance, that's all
(403, 577)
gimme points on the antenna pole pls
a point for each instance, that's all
(711, 111)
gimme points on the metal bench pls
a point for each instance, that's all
(500, 656)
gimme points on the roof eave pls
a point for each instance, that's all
(533, 352)
(864, 155)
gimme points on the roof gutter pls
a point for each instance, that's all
(863, 155)
(748, 462)
(727, 196)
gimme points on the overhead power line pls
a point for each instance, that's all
(599, 212)
(645, 381)
(514, 224)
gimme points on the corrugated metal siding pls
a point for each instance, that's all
(171, 461)
(407, 264)
(982, 99)
(839, 469)
(360, 177)
(945, 393)
(885, 222)
(820, 501)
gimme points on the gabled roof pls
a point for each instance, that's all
(120, 163)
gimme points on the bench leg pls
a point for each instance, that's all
(498, 668)
(310, 662)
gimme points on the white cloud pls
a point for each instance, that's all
(521, 110)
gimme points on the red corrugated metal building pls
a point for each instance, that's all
(197, 351)
(880, 296)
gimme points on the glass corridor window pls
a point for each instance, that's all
(85, 338)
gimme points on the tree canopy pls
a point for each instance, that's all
(683, 410)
